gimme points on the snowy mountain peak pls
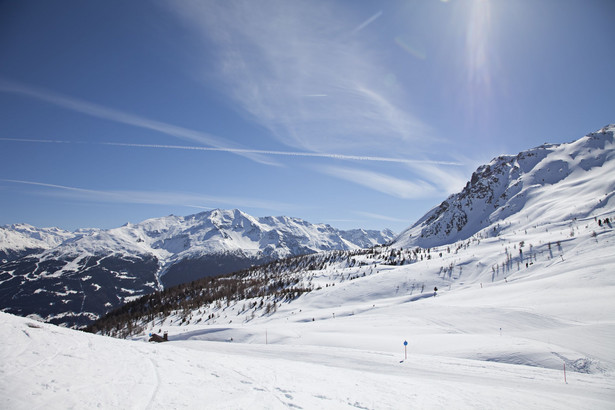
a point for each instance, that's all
(87, 272)
(20, 239)
(552, 182)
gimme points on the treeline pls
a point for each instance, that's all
(247, 284)
(280, 281)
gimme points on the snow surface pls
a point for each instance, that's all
(173, 238)
(18, 238)
(487, 340)
(552, 182)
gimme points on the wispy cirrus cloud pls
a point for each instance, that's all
(425, 180)
(244, 151)
(372, 215)
(448, 180)
(273, 57)
(190, 200)
(387, 184)
(99, 111)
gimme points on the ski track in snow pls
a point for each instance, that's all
(152, 401)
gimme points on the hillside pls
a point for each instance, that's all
(561, 190)
(19, 240)
(553, 182)
(77, 277)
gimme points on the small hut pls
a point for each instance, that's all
(159, 339)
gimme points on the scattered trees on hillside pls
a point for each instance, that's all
(264, 288)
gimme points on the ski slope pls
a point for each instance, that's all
(552, 182)
(489, 339)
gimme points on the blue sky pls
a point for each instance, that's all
(352, 113)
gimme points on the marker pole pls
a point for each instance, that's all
(565, 381)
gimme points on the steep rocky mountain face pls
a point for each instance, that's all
(72, 278)
(552, 182)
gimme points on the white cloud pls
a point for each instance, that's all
(272, 54)
(289, 153)
(151, 197)
(379, 216)
(384, 183)
(448, 180)
(244, 151)
(99, 111)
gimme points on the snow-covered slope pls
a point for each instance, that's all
(172, 238)
(76, 277)
(553, 182)
(498, 334)
(22, 239)
(366, 238)
(221, 231)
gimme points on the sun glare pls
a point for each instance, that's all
(477, 43)
(478, 61)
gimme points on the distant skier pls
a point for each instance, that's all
(435, 290)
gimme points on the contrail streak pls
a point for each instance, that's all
(367, 22)
(68, 188)
(249, 151)
(288, 153)
(153, 197)
(99, 111)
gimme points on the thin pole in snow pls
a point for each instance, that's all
(565, 381)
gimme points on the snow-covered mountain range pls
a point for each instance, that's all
(74, 277)
(552, 182)
(79, 276)
(22, 239)
(523, 315)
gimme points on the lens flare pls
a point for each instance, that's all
(478, 60)
(477, 42)
(412, 49)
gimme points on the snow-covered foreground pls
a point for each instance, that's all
(46, 366)
(489, 339)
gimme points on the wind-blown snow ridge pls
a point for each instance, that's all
(552, 182)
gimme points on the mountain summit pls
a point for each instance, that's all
(552, 182)
(75, 277)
